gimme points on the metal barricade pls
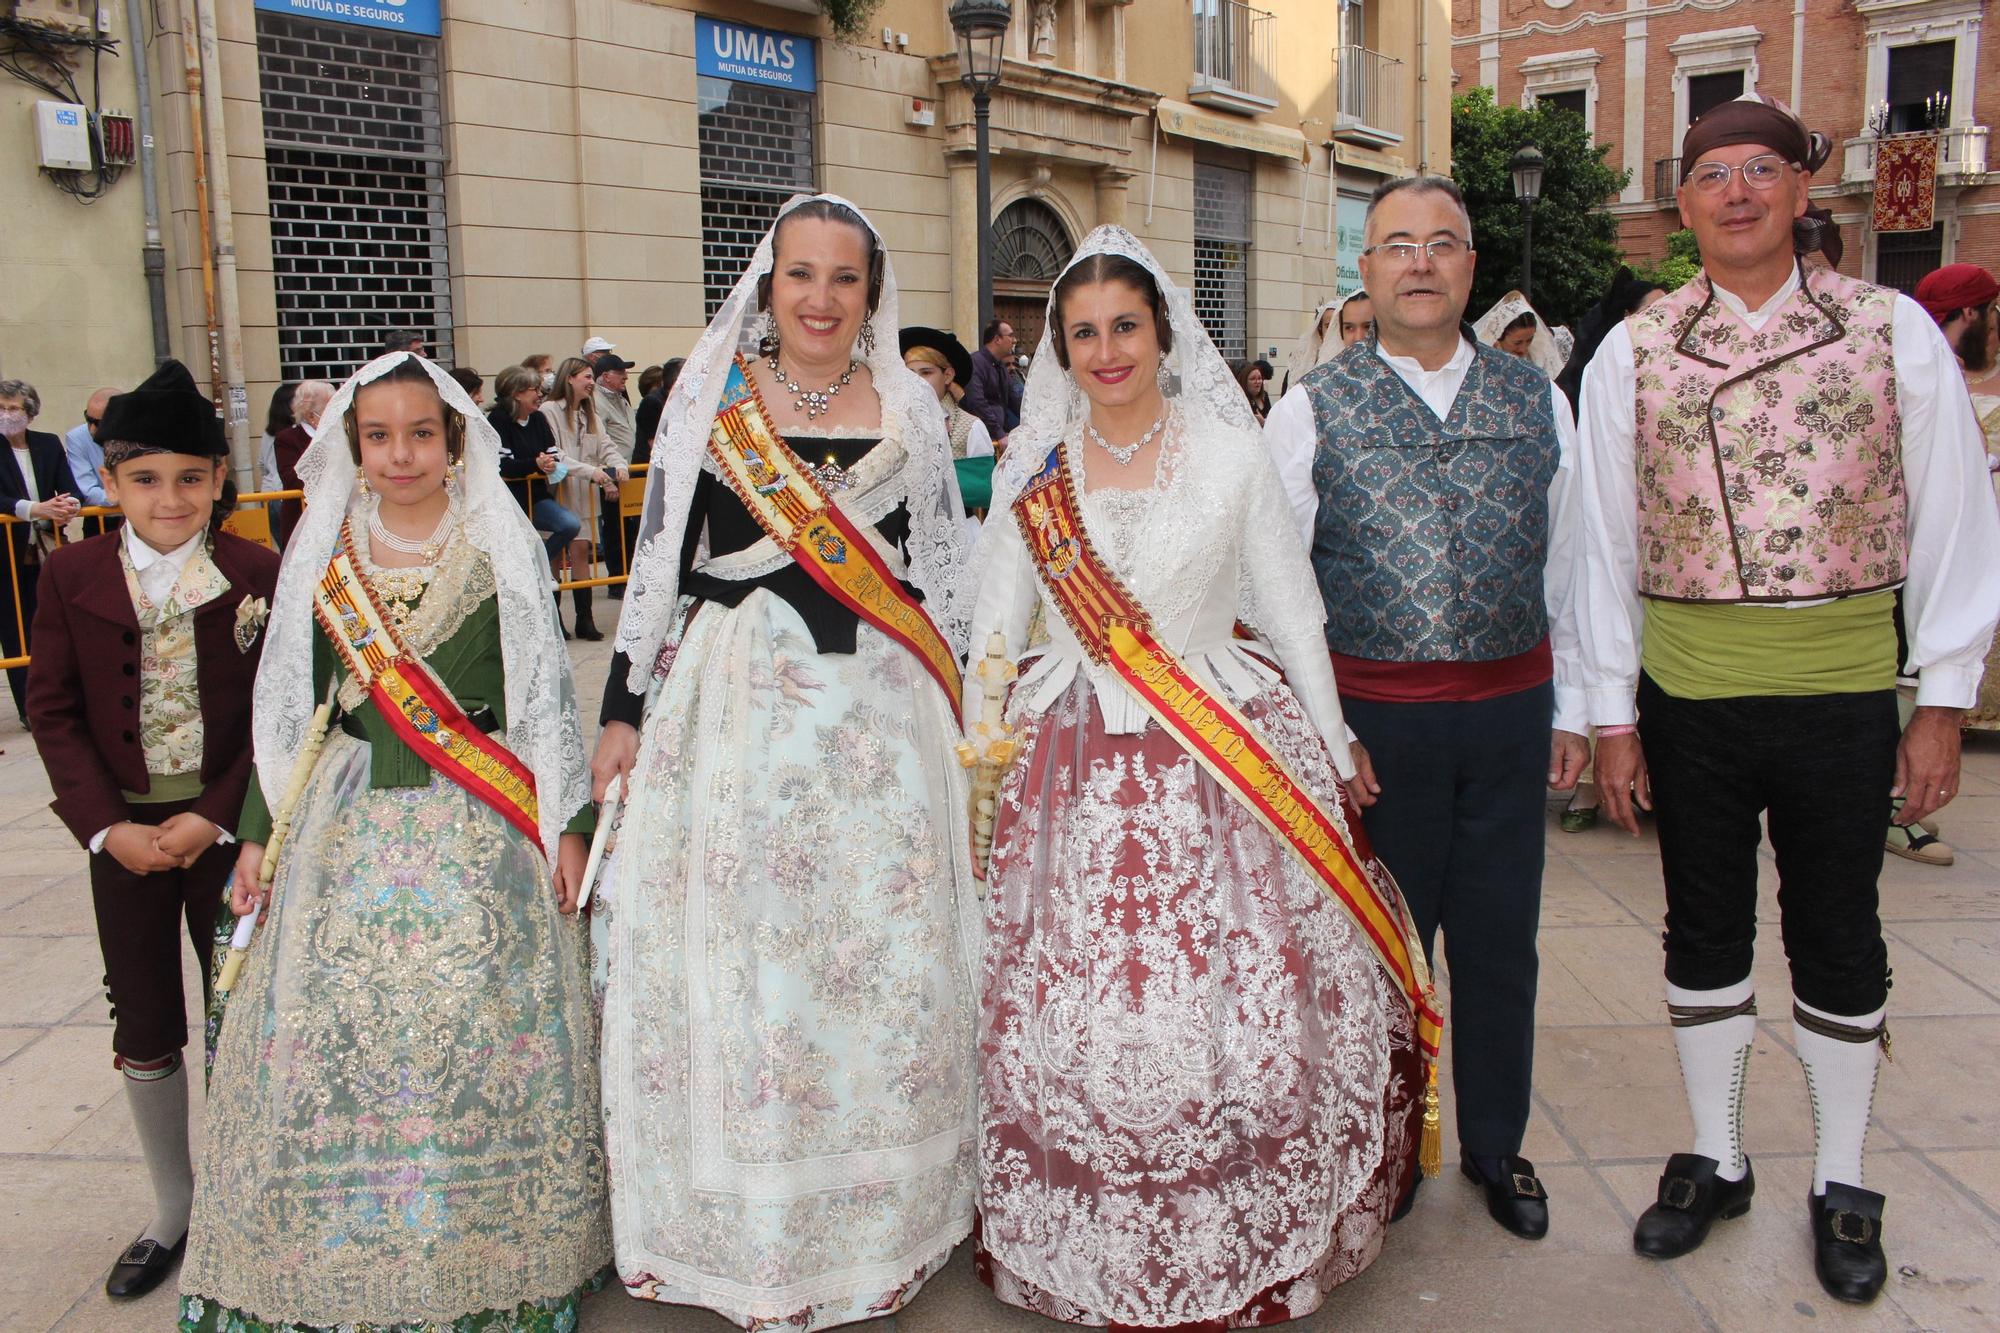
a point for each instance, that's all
(631, 500)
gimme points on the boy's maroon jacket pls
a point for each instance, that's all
(83, 683)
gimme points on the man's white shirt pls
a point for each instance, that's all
(1292, 436)
(1951, 593)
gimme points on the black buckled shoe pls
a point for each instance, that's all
(1516, 1200)
(142, 1267)
(1847, 1242)
(1691, 1201)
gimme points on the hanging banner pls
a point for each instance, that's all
(1906, 183)
(422, 17)
(738, 51)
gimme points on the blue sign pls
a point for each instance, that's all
(417, 16)
(752, 55)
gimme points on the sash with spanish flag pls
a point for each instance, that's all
(785, 498)
(1116, 631)
(416, 707)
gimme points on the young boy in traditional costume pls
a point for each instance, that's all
(146, 644)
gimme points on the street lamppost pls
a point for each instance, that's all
(981, 26)
(1526, 165)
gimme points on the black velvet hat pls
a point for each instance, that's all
(165, 415)
(938, 340)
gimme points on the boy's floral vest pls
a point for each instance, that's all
(1770, 465)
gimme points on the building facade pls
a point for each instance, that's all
(1861, 71)
(509, 179)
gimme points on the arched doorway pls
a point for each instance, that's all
(1030, 248)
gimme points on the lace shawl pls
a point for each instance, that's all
(542, 727)
(910, 413)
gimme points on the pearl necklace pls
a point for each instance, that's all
(427, 548)
(1123, 452)
(811, 401)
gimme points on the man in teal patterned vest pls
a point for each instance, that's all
(1431, 477)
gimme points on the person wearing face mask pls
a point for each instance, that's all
(36, 489)
(85, 455)
(1769, 455)
(789, 1087)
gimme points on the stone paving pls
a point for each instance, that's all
(1608, 1111)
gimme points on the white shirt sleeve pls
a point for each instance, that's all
(1951, 596)
(978, 440)
(1292, 436)
(1559, 574)
(1605, 561)
(267, 460)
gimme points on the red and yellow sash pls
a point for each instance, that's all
(782, 494)
(416, 707)
(1116, 631)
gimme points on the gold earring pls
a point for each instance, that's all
(361, 480)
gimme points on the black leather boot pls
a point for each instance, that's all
(1691, 1200)
(586, 628)
(559, 625)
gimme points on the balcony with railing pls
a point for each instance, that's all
(1666, 180)
(1961, 156)
(1371, 97)
(1235, 47)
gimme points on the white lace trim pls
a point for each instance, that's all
(910, 413)
(542, 727)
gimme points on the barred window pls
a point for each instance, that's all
(756, 148)
(1222, 256)
(354, 161)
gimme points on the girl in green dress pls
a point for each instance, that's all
(402, 1125)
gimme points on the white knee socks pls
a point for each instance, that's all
(157, 1091)
(1713, 1032)
(1840, 1053)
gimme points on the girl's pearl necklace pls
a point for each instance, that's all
(427, 548)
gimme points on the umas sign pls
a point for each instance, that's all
(418, 16)
(753, 55)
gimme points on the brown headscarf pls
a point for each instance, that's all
(1769, 123)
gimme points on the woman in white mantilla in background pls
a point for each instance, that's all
(788, 920)
(1513, 326)
(1200, 1086)
(402, 1124)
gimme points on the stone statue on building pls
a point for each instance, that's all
(1045, 29)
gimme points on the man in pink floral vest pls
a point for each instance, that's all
(1768, 455)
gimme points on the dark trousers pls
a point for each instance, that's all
(139, 919)
(1821, 766)
(1460, 824)
(614, 536)
(14, 634)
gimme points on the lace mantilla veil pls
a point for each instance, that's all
(1195, 379)
(542, 728)
(910, 413)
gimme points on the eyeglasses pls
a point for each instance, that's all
(90, 420)
(1759, 173)
(1405, 252)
